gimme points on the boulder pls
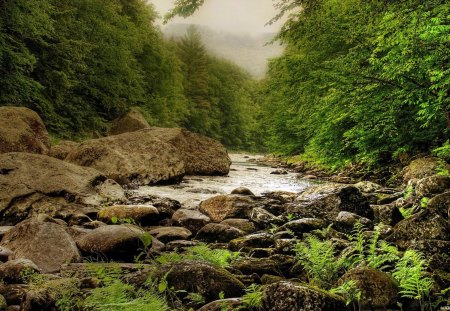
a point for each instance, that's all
(432, 185)
(201, 155)
(42, 241)
(441, 204)
(131, 121)
(203, 278)
(221, 207)
(131, 158)
(251, 241)
(62, 149)
(305, 225)
(327, 200)
(346, 221)
(287, 296)
(168, 234)
(242, 191)
(421, 168)
(259, 266)
(22, 130)
(242, 224)
(378, 289)
(190, 219)
(264, 218)
(12, 272)
(388, 214)
(116, 242)
(368, 186)
(145, 215)
(223, 304)
(218, 233)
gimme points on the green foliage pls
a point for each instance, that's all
(349, 290)
(443, 152)
(409, 191)
(409, 272)
(253, 297)
(218, 257)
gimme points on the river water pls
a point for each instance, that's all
(244, 172)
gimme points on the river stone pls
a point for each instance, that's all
(42, 241)
(190, 219)
(346, 221)
(221, 207)
(259, 266)
(424, 225)
(203, 278)
(441, 204)
(168, 234)
(223, 304)
(251, 241)
(242, 191)
(242, 224)
(368, 186)
(421, 168)
(432, 185)
(287, 296)
(62, 149)
(201, 155)
(388, 214)
(116, 242)
(131, 158)
(12, 271)
(327, 200)
(378, 289)
(131, 121)
(32, 183)
(145, 215)
(304, 225)
(22, 130)
(218, 233)
(264, 218)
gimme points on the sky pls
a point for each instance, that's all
(232, 16)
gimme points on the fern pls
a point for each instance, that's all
(350, 291)
(253, 297)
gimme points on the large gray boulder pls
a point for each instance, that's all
(131, 121)
(44, 242)
(22, 130)
(131, 158)
(32, 184)
(201, 155)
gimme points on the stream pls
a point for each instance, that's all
(244, 172)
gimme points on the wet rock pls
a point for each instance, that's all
(244, 225)
(203, 278)
(242, 191)
(179, 245)
(145, 215)
(13, 293)
(287, 296)
(117, 242)
(281, 196)
(5, 254)
(157, 246)
(131, 121)
(168, 234)
(259, 266)
(378, 289)
(440, 204)
(201, 155)
(327, 200)
(420, 168)
(368, 186)
(223, 304)
(388, 214)
(432, 185)
(279, 172)
(424, 225)
(166, 207)
(42, 241)
(285, 246)
(221, 207)
(31, 184)
(131, 158)
(305, 225)
(437, 252)
(11, 272)
(4, 230)
(264, 218)
(190, 219)
(346, 221)
(62, 149)
(22, 130)
(218, 233)
(248, 242)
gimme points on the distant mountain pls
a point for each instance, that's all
(249, 52)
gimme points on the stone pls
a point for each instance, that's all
(440, 204)
(116, 242)
(223, 304)
(420, 168)
(432, 185)
(346, 221)
(242, 224)
(287, 296)
(368, 186)
(221, 207)
(388, 214)
(264, 218)
(62, 149)
(193, 220)
(279, 172)
(218, 233)
(168, 234)
(251, 241)
(179, 245)
(22, 130)
(136, 158)
(145, 215)
(304, 225)
(242, 191)
(259, 266)
(42, 241)
(327, 200)
(131, 121)
(201, 155)
(203, 278)
(378, 289)
(12, 272)
(5, 254)
(31, 184)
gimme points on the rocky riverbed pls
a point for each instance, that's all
(157, 219)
